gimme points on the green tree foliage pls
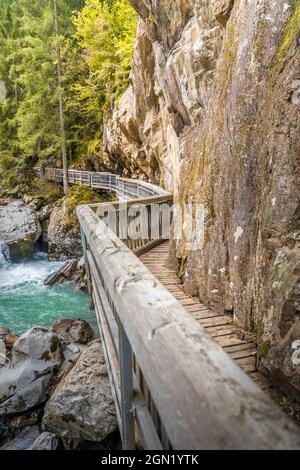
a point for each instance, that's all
(95, 42)
(105, 33)
(9, 148)
(36, 116)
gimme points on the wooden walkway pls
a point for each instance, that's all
(220, 327)
(172, 385)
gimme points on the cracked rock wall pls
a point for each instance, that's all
(212, 114)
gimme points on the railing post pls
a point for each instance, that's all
(126, 379)
(87, 269)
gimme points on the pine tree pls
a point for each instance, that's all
(105, 34)
(9, 149)
(64, 63)
(60, 97)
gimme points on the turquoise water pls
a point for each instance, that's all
(26, 302)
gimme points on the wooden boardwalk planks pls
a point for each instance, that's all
(220, 327)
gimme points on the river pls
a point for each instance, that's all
(26, 302)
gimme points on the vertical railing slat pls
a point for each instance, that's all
(87, 269)
(126, 377)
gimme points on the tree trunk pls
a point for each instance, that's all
(61, 103)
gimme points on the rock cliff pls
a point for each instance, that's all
(20, 230)
(212, 113)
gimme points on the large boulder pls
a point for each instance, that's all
(25, 381)
(72, 330)
(64, 242)
(74, 334)
(82, 405)
(24, 440)
(38, 343)
(71, 354)
(46, 441)
(20, 229)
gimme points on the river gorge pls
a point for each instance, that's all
(25, 301)
(25, 264)
(48, 337)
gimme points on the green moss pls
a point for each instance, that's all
(292, 30)
(45, 191)
(256, 331)
(150, 20)
(80, 195)
(264, 348)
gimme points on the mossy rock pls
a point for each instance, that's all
(80, 195)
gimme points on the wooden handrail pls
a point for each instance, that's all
(124, 187)
(169, 379)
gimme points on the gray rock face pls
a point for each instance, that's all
(283, 361)
(20, 229)
(25, 381)
(46, 441)
(64, 243)
(45, 213)
(82, 405)
(71, 355)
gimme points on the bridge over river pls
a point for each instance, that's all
(182, 375)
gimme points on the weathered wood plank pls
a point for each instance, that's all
(200, 308)
(241, 354)
(250, 347)
(229, 340)
(215, 321)
(204, 315)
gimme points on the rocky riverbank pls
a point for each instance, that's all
(27, 225)
(54, 386)
(20, 228)
(54, 390)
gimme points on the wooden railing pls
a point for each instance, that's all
(155, 217)
(173, 386)
(123, 187)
